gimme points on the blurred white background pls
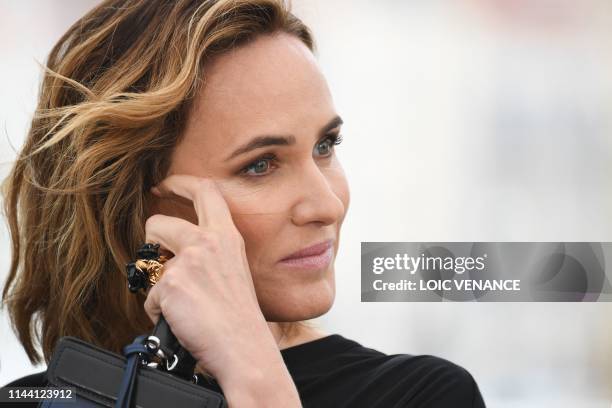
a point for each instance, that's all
(465, 120)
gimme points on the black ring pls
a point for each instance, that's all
(136, 278)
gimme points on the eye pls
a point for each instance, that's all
(325, 147)
(260, 167)
(264, 165)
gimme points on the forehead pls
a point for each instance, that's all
(272, 85)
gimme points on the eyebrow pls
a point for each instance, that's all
(272, 140)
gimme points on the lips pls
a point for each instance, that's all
(313, 250)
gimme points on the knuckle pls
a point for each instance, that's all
(208, 239)
(148, 306)
(190, 256)
(200, 237)
(163, 305)
(204, 182)
(171, 283)
(151, 221)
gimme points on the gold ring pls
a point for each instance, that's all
(153, 268)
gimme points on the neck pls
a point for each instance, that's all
(289, 334)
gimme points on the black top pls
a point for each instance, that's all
(334, 371)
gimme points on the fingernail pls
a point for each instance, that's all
(155, 191)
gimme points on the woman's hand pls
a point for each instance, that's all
(206, 295)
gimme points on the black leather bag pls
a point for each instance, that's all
(102, 378)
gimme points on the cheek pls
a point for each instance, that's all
(259, 215)
(258, 232)
(256, 202)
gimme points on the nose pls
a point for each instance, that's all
(318, 201)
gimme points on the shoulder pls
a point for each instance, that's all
(434, 381)
(33, 380)
(416, 380)
(338, 371)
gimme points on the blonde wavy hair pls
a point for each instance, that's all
(115, 93)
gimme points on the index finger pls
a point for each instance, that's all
(210, 206)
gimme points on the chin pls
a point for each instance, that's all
(292, 303)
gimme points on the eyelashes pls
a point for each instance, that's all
(335, 139)
(270, 159)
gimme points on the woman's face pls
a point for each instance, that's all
(286, 193)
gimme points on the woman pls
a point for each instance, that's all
(206, 127)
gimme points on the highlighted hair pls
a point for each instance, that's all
(113, 100)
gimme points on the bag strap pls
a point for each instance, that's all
(136, 353)
(140, 351)
(175, 358)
